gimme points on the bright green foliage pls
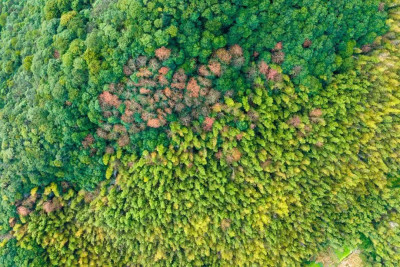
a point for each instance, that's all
(305, 174)
(342, 253)
(12, 255)
(297, 150)
(57, 55)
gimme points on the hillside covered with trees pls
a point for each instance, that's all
(199, 133)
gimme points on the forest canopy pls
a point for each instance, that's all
(199, 133)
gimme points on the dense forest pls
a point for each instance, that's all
(199, 132)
